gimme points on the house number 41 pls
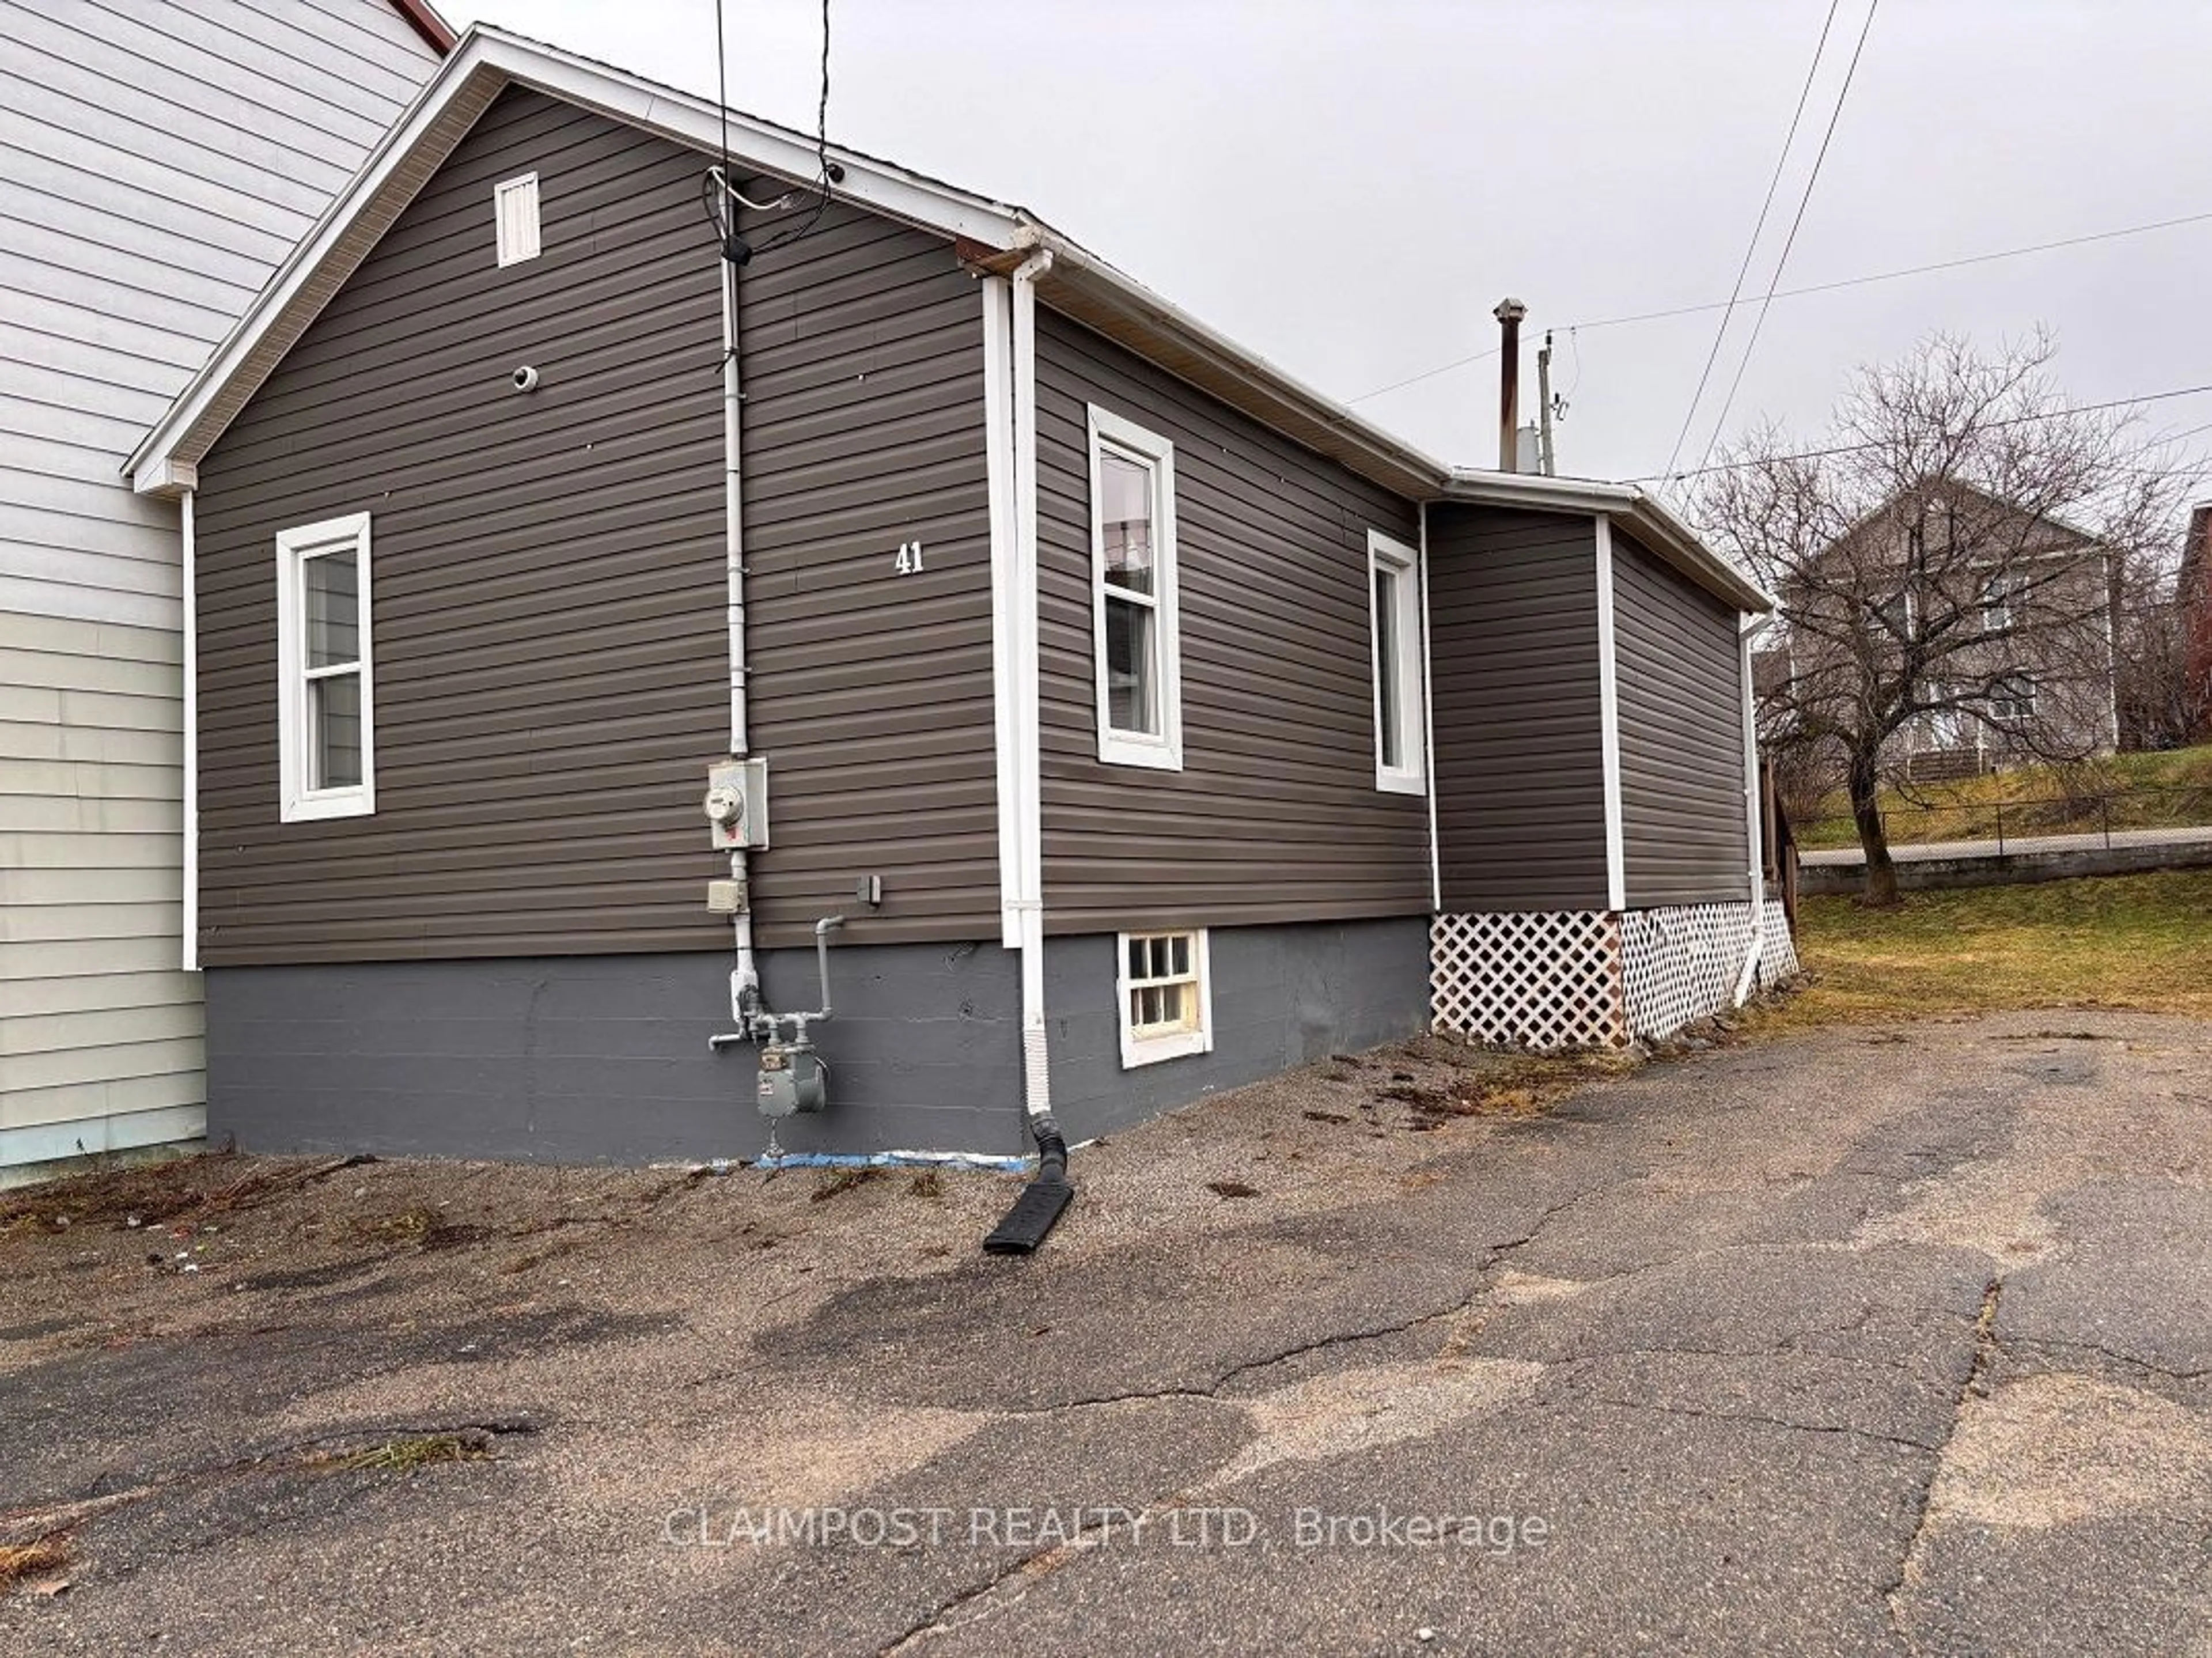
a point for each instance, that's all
(909, 558)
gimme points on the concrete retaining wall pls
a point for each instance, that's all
(2017, 868)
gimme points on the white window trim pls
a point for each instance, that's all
(299, 804)
(1118, 748)
(527, 242)
(1150, 1050)
(1410, 776)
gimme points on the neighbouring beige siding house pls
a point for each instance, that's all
(2001, 616)
(158, 158)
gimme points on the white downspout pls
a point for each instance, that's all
(1036, 1075)
(745, 978)
(1754, 818)
(190, 956)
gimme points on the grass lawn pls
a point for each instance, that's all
(2150, 791)
(2130, 941)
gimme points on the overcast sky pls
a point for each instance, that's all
(1348, 187)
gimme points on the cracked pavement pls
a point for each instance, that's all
(1871, 1341)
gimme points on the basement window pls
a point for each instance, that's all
(1133, 595)
(325, 710)
(1166, 1001)
(1394, 619)
(515, 210)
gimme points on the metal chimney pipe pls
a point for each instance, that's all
(1508, 313)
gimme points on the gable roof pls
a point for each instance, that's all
(2064, 536)
(990, 235)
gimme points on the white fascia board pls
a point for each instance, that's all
(485, 61)
(1608, 697)
(1263, 385)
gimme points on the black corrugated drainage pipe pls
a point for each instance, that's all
(1042, 1200)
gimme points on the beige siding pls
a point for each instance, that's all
(1275, 815)
(94, 1015)
(156, 161)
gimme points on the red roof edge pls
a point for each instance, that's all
(427, 24)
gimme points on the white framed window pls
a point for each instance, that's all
(1167, 1000)
(1135, 636)
(515, 211)
(1996, 602)
(1394, 635)
(1897, 614)
(326, 700)
(2012, 698)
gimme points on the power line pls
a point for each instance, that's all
(1804, 201)
(1860, 448)
(2084, 241)
(1727, 310)
(1911, 270)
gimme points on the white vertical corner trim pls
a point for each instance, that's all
(1409, 694)
(514, 217)
(1162, 752)
(1007, 633)
(189, 850)
(1608, 697)
(1037, 1057)
(1754, 814)
(297, 802)
(1429, 723)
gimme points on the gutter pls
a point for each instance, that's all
(1083, 283)
(1642, 512)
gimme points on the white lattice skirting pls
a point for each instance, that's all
(1777, 950)
(1682, 962)
(1528, 979)
(1553, 979)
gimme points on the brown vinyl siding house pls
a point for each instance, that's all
(1151, 723)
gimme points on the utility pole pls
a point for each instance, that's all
(1543, 463)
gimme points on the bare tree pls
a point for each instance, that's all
(2162, 704)
(1946, 557)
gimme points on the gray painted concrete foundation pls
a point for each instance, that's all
(1283, 996)
(605, 1059)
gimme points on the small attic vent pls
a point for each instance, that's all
(514, 205)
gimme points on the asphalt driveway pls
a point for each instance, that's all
(1872, 1341)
